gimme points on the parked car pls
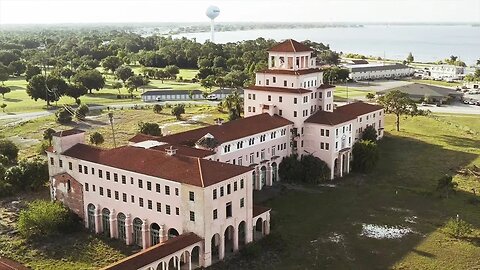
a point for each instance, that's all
(159, 99)
(211, 97)
(472, 102)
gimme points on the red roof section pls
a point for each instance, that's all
(231, 130)
(330, 118)
(258, 210)
(68, 132)
(154, 253)
(290, 45)
(181, 149)
(279, 89)
(182, 169)
(291, 72)
(358, 108)
(326, 86)
(7, 264)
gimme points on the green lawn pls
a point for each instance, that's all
(438, 83)
(340, 93)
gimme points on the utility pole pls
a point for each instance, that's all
(110, 117)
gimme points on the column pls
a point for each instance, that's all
(341, 165)
(145, 235)
(235, 238)
(267, 224)
(332, 170)
(221, 247)
(128, 230)
(161, 233)
(190, 261)
(269, 174)
(248, 233)
(348, 162)
(98, 220)
(113, 224)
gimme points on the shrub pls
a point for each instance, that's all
(369, 134)
(178, 110)
(458, 228)
(365, 156)
(316, 169)
(9, 150)
(96, 138)
(150, 129)
(45, 218)
(63, 116)
(81, 112)
(446, 185)
(290, 169)
(157, 108)
(48, 135)
(42, 147)
(27, 175)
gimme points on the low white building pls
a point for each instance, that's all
(379, 71)
(447, 72)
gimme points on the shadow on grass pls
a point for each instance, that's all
(325, 230)
(460, 142)
(12, 99)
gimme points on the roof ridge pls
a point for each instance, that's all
(201, 172)
(293, 46)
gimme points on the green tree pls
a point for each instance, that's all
(63, 116)
(178, 110)
(3, 106)
(370, 96)
(134, 82)
(160, 74)
(32, 71)
(111, 63)
(34, 173)
(91, 79)
(410, 58)
(236, 79)
(96, 138)
(48, 89)
(369, 134)
(4, 73)
(117, 85)
(17, 67)
(45, 219)
(365, 156)
(7, 57)
(446, 185)
(76, 91)
(4, 90)
(48, 135)
(290, 169)
(123, 73)
(398, 103)
(9, 150)
(172, 71)
(233, 103)
(318, 170)
(81, 112)
(157, 108)
(150, 129)
(208, 82)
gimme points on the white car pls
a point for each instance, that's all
(211, 97)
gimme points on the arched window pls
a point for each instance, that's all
(106, 221)
(121, 226)
(172, 233)
(91, 217)
(155, 233)
(274, 172)
(137, 231)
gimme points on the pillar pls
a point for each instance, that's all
(221, 247)
(161, 233)
(249, 233)
(269, 174)
(128, 230)
(267, 224)
(348, 162)
(113, 224)
(332, 170)
(235, 239)
(341, 165)
(145, 236)
(98, 220)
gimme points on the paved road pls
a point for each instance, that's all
(13, 119)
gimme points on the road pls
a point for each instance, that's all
(456, 108)
(13, 119)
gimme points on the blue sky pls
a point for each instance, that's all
(90, 11)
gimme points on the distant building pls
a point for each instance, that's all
(472, 85)
(376, 71)
(357, 61)
(171, 95)
(447, 72)
(418, 91)
(222, 93)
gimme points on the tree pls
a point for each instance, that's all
(76, 91)
(3, 106)
(236, 79)
(4, 90)
(63, 116)
(34, 173)
(290, 169)
(48, 89)
(332, 75)
(161, 74)
(318, 170)
(96, 138)
(46, 218)
(178, 110)
(172, 71)
(123, 73)
(4, 73)
(117, 85)
(399, 104)
(9, 150)
(365, 156)
(157, 108)
(233, 103)
(6, 57)
(329, 57)
(111, 63)
(135, 81)
(410, 58)
(81, 112)
(446, 185)
(32, 71)
(370, 96)
(91, 79)
(369, 134)
(150, 129)
(17, 67)
(208, 82)
(48, 135)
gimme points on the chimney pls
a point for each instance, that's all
(171, 151)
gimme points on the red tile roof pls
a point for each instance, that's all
(329, 118)
(290, 45)
(183, 169)
(231, 130)
(7, 264)
(326, 86)
(156, 252)
(291, 72)
(358, 108)
(279, 89)
(181, 149)
(258, 210)
(68, 132)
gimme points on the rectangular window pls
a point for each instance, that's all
(269, 99)
(167, 209)
(229, 187)
(124, 197)
(280, 112)
(85, 169)
(117, 195)
(124, 179)
(294, 113)
(132, 199)
(140, 202)
(140, 183)
(176, 191)
(60, 163)
(131, 181)
(80, 168)
(86, 186)
(327, 133)
(149, 204)
(167, 190)
(322, 145)
(215, 194)
(322, 132)
(100, 173)
(221, 191)
(267, 82)
(285, 83)
(149, 185)
(327, 146)
(101, 191)
(157, 188)
(108, 175)
(191, 196)
(294, 100)
(159, 207)
(115, 177)
(274, 79)
(242, 202)
(70, 166)
(109, 193)
(235, 186)
(93, 186)
(215, 214)
(192, 216)
(93, 171)
(228, 209)
(241, 183)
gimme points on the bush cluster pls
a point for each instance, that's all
(294, 170)
(28, 175)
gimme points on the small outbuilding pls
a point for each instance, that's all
(171, 95)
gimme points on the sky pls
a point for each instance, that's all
(115, 11)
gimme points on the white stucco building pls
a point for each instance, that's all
(187, 198)
(375, 71)
(447, 72)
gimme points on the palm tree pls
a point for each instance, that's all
(234, 104)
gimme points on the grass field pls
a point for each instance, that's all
(340, 93)
(438, 83)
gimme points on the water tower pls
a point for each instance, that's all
(212, 13)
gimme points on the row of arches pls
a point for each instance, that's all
(263, 174)
(121, 231)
